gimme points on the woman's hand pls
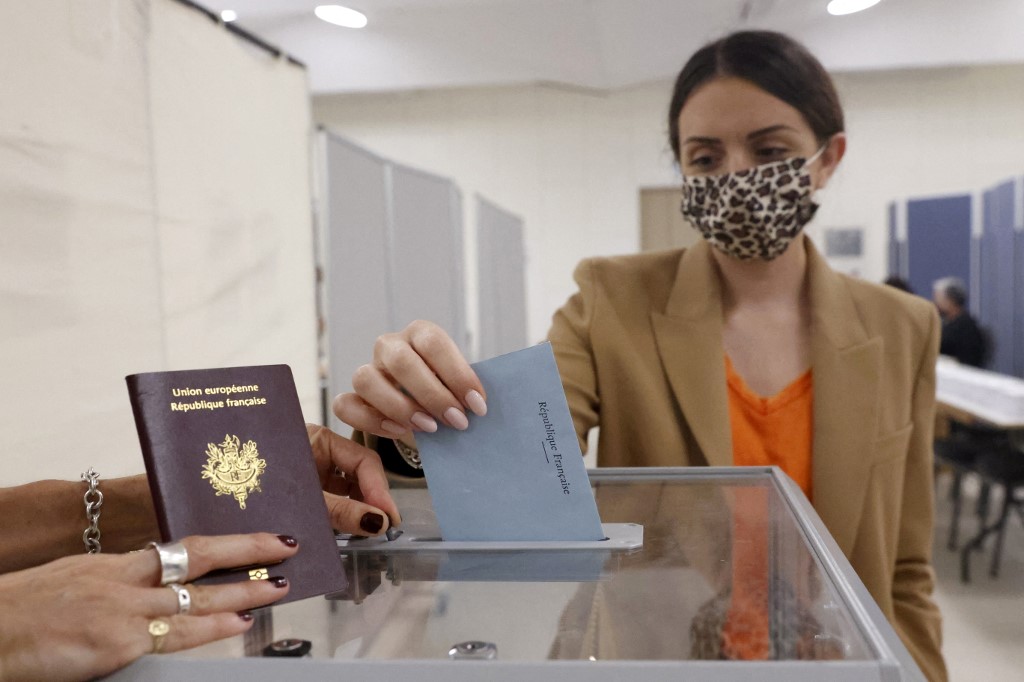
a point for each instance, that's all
(85, 616)
(355, 486)
(418, 378)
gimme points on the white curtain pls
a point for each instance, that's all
(154, 214)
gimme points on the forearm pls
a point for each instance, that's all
(42, 521)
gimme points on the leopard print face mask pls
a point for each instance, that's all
(753, 213)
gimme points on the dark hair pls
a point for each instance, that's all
(897, 282)
(775, 63)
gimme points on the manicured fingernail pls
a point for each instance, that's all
(456, 418)
(245, 615)
(392, 427)
(288, 540)
(278, 581)
(371, 522)
(476, 403)
(424, 422)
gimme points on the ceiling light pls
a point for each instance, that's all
(341, 16)
(840, 7)
(228, 15)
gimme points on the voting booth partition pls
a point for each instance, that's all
(938, 241)
(501, 278)
(979, 239)
(897, 246)
(1018, 269)
(1001, 259)
(393, 253)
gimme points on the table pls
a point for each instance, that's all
(977, 397)
(655, 613)
(971, 395)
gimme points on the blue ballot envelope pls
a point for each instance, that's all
(517, 473)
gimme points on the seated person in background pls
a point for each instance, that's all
(85, 615)
(961, 337)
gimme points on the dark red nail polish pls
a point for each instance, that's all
(288, 540)
(371, 523)
(278, 581)
(245, 615)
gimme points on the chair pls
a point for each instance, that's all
(959, 452)
(1002, 467)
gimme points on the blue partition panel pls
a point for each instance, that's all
(938, 241)
(998, 276)
(1018, 284)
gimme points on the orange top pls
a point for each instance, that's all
(765, 431)
(773, 431)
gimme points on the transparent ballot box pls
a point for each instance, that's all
(712, 574)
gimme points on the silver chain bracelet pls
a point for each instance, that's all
(410, 454)
(93, 502)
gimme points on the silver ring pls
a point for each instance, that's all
(184, 598)
(173, 561)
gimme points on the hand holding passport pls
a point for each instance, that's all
(227, 451)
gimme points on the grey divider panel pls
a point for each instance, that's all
(894, 245)
(501, 267)
(977, 282)
(997, 276)
(938, 241)
(980, 304)
(426, 251)
(357, 266)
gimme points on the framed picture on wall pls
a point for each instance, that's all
(844, 242)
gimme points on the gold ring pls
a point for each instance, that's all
(158, 629)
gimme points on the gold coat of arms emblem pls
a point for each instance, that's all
(234, 468)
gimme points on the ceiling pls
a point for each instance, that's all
(607, 44)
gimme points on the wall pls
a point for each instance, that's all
(571, 162)
(147, 221)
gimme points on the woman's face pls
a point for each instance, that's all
(729, 124)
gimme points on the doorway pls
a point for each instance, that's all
(661, 224)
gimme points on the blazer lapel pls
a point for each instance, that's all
(689, 339)
(847, 369)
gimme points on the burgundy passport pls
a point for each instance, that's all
(226, 451)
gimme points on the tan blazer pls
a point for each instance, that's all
(639, 348)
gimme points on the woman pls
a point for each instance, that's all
(85, 615)
(746, 349)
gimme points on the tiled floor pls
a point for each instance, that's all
(983, 633)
